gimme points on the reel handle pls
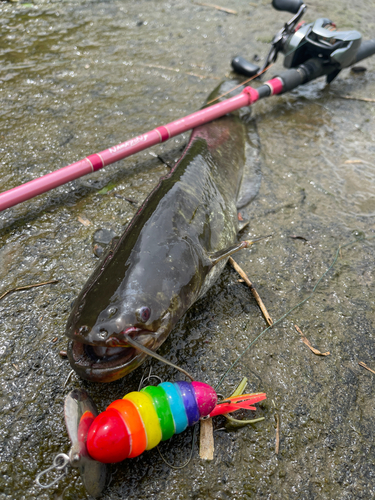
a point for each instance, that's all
(291, 6)
(244, 67)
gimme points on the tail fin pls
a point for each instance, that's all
(245, 401)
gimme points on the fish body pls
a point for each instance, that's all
(165, 259)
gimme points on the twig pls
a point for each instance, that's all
(277, 444)
(217, 7)
(361, 363)
(365, 99)
(307, 342)
(176, 70)
(296, 237)
(206, 440)
(161, 159)
(26, 287)
(285, 315)
(68, 377)
(256, 296)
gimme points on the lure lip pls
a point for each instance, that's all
(80, 412)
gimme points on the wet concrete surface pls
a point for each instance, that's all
(78, 77)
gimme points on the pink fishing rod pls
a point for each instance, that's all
(286, 81)
(346, 49)
(97, 161)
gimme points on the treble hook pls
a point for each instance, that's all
(149, 376)
(60, 462)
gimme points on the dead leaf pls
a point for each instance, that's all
(84, 221)
(307, 342)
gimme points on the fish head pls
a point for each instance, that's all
(99, 350)
(143, 302)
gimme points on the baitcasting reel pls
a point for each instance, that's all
(304, 41)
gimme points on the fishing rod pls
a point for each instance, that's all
(311, 50)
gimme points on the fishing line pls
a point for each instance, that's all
(290, 310)
(293, 50)
(241, 84)
(251, 78)
(153, 354)
(178, 467)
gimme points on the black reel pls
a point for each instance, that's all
(304, 41)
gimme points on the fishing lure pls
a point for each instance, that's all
(140, 420)
(131, 425)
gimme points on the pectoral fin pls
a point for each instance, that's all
(224, 254)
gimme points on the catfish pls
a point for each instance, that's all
(170, 254)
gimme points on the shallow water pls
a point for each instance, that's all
(78, 77)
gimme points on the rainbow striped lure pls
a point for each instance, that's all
(137, 422)
(140, 420)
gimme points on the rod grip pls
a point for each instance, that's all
(291, 79)
(366, 49)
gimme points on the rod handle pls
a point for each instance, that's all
(366, 49)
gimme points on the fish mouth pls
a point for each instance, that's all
(98, 363)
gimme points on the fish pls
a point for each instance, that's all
(170, 254)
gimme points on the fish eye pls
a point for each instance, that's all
(144, 314)
(111, 312)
